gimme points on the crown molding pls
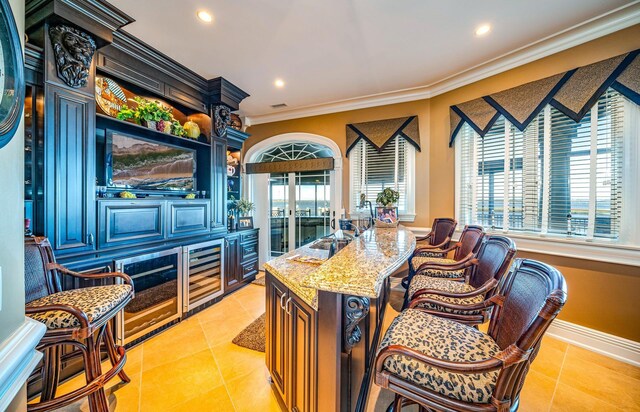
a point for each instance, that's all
(586, 31)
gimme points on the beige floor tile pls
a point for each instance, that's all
(584, 355)
(235, 361)
(224, 330)
(178, 381)
(597, 376)
(550, 358)
(220, 310)
(182, 340)
(127, 396)
(216, 400)
(254, 305)
(537, 393)
(570, 399)
(252, 393)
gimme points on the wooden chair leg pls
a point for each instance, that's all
(111, 350)
(396, 405)
(51, 375)
(93, 369)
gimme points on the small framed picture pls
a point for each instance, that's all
(245, 223)
(387, 214)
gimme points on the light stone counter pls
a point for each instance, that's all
(358, 269)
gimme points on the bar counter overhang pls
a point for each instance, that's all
(324, 321)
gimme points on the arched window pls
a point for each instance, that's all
(295, 151)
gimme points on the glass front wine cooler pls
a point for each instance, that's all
(157, 280)
(203, 269)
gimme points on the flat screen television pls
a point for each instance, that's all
(137, 163)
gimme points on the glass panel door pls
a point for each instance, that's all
(279, 218)
(312, 200)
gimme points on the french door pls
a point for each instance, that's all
(301, 209)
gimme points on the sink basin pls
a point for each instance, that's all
(322, 244)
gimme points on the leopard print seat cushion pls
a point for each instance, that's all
(436, 253)
(442, 339)
(93, 301)
(417, 261)
(427, 282)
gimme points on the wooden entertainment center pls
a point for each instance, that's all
(69, 195)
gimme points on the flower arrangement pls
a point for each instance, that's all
(388, 197)
(153, 115)
(244, 207)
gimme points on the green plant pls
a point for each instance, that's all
(177, 129)
(126, 113)
(244, 206)
(388, 197)
(146, 110)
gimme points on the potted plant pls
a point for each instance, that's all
(151, 114)
(244, 207)
(388, 197)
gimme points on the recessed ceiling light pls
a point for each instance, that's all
(205, 16)
(482, 30)
(279, 83)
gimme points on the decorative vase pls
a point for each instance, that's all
(192, 129)
(149, 124)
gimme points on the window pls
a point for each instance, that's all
(557, 177)
(373, 170)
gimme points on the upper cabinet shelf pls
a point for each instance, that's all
(133, 128)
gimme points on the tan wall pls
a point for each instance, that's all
(602, 296)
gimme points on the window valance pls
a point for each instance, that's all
(290, 166)
(381, 132)
(573, 93)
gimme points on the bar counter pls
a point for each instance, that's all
(324, 319)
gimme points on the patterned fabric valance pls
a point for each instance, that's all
(573, 93)
(381, 132)
(290, 166)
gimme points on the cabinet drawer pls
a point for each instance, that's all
(250, 269)
(248, 251)
(188, 218)
(124, 222)
(249, 236)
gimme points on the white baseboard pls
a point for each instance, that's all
(615, 347)
(18, 357)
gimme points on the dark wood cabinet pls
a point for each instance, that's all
(70, 163)
(291, 347)
(241, 259)
(232, 258)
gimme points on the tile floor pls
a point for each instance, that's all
(194, 367)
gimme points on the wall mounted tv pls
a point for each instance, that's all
(141, 164)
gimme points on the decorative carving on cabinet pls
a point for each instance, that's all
(73, 51)
(356, 308)
(221, 117)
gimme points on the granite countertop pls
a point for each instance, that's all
(358, 269)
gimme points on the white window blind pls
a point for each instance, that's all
(372, 171)
(558, 176)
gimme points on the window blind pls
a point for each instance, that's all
(372, 171)
(558, 176)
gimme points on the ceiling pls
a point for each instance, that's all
(332, 50)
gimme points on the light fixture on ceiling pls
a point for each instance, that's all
(205, 16)
(279, 83)
(483, 29)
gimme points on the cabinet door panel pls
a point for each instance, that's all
(130, 222)
(219, 184)
(188, 217)
(249, 269)
(302, 354)
(70, 169)
(277, 336)
(232, 270)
